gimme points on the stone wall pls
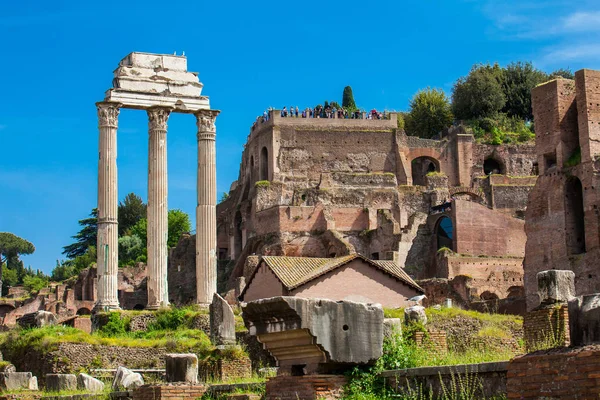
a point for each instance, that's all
(308, 387)
(491, 375)
(546, 327)
(75, 357)
(558, 374)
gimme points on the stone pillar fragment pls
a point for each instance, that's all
(107, 242)
(222, 322)
(182, 368)
(157, 207)
(206, 214)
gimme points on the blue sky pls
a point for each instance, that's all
(58, 58)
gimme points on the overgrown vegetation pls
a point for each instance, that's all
(494, 101)
(485, 341)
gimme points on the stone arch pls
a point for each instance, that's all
(462, 192)
(84, 311)
(493, 166)
(574, 216)
(421, 166)
(444, 233)
(264, 164)
(488, 295)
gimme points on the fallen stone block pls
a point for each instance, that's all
(60, 382)
(308, 336)
(127, 379)
(222, 322)
(392, 326)
(8, 368)
(18, 381)
(415, 314)
(89, 383)
(555, 286)
(584, 319)
(182, 368)
(44, 318)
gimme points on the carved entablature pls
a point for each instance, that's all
(108, 114)
(205, 120)
(157, 118)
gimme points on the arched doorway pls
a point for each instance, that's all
(84, 311)
(491, 166)
(420, 167)
(574, 217)
(264, 164)
(487, 295)
(444, 233)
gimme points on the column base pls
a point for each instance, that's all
(154, 307)
(105, 308)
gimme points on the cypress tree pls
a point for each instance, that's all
(348, 99)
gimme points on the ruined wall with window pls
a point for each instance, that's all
(563, 216)
(323, 187)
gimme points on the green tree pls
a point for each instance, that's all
(85, 238)
(131, 210)
(9, 278)
(179, 223)
(430, 112)
(517, 81)
(131, 249)
(140, 230)
(563, 73)
(62, 271)
(35, 283)
(11, 247)
(348, 99)
(479, 94)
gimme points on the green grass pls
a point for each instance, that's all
(48, 338)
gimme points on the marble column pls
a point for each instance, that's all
(157, 208)
(206, 211)
(107, 241)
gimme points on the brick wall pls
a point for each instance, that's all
(569, 373)
(546, 327)
(173, 391)
(481, 231)
(308, 387)
(433, 339)
(225, 369)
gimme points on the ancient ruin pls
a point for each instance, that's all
(159, 84)
(311, 187)
(562, 215)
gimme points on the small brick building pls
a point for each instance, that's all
(352, 277)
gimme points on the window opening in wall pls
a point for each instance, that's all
(421, 166)
(444, 233)
(237, 238)
(550, 160)
(492, 166)
(374, 256)
(298, 370)
(574, 217)
(264, 164)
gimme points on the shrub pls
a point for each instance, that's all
(116, 325)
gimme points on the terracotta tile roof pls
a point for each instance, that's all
(294, 272)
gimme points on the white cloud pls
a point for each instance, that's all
(563, 54)
(582, 22)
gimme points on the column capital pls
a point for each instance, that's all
(205, 121)
(108, 113)
(157, 118)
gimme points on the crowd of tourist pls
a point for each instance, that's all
(325, 112)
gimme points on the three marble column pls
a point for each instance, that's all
(157, 214)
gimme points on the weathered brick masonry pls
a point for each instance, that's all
(546, 327)
(558, 374)
(308, 387)
(434, 340)
(172, 391)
